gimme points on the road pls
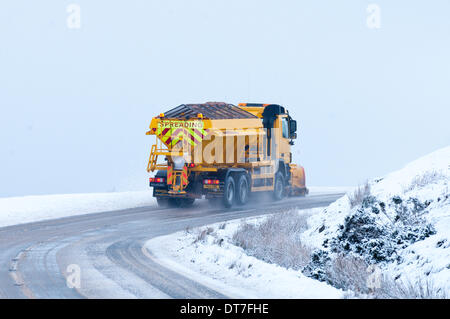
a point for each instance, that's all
(35, 258)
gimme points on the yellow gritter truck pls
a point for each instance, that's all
(224, 153)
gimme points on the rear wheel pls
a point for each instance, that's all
(229, 192)
(186, 202)
(173, 203)
(242, 190)
(278, 189)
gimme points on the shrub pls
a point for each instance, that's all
(349, 272)
(357, 196)
(276, 240)
(363, 234)
(423, 288)
(202, 233)
(425, 179)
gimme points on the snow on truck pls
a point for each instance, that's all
(224, 153)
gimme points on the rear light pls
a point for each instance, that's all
(211, 181)
(157, 179)
(191, 165)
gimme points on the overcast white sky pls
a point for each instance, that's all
(76, 103)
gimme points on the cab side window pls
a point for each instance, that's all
(285, 127)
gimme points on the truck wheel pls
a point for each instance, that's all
(173, 202)
(304, 192)
(186, 202)
(229, 192)
(278, 189)
(242, 190)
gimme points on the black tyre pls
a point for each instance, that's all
(242, 190)
(173, 203)
(229, 191)
(304, 192)
(278, 189)
(186, 202)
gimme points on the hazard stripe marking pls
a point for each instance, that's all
(172, 136)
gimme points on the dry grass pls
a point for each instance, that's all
(349, 272)
(276, 240)
(353, 273)
(202, 233)
(356, 197)
(425, 179)
(424, 288)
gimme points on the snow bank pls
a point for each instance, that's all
(206, 255)
(399, 223)
(19, 210)
(402, 224)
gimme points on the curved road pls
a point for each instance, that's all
(108, 249)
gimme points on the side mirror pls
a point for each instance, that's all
(292, 129)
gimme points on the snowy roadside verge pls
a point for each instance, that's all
(207, 255)
(27, 209)
(399, 223)
(386, 239)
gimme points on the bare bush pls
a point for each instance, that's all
(357, 196)
(276, 240)
(201, 236)
(219, 241)
(425, 179)
(349, 272)
(411, 211)
(202, 233)
(406, 289)
(353, 273)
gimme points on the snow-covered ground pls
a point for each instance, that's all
(410, 213)
(26, 209)
(400, 223)
(207, 255)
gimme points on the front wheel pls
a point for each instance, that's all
(278, 189)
